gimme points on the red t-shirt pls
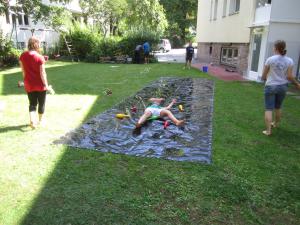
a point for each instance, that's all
(32, 62)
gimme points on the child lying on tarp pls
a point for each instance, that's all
(157, 111)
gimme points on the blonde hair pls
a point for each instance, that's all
(33, 44)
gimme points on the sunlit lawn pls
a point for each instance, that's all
(253, 179)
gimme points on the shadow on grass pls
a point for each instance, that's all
(22, 128)
(88, 187)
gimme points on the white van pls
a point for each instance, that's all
(164, 45)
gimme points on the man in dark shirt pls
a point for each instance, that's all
(189, 56)
(137, 53)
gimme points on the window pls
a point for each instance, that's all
(216, 10)
(26, 21)
(229, 56)
(210, 49)
(14, 19)
(20, 19)
(224, 8)
(234, 6)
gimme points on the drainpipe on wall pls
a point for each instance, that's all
(298, 69)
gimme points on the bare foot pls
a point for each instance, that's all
(33, 125)
(137, 125)
(180, 123)
(266, 133)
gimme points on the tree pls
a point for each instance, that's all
(146, 14)
(53, 16)
(121, 15)
(105, 13)
(3, 6)
(36, 8)
(181, 15)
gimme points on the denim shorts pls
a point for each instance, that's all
(274, 96)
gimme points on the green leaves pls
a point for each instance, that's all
(147, 14)
(182, 15)
(118, 16)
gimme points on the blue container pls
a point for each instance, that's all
(205, 69)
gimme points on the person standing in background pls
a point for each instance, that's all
(278, 71)
(137, 53)
(189, 56)
(146, 47)
(35, 80)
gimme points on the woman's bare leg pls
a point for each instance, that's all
(169, 114)
(268, 122)
(277, 117)
(33, 119)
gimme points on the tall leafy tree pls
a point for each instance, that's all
(36, 8)
(53, 16)
(122, 15)
(106, 14)
(146, 14)
(182, 15)
(3, 6)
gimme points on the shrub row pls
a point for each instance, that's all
(90, 45)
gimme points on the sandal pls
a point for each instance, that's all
(266, 133)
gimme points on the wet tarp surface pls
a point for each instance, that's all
(192, 142)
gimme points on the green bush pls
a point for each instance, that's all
(110, 47)
(90, 45)
(84, 40)
(9, 56)
(177, 41)
(135, 37)
(12, 57)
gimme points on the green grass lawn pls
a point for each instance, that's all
(253, 179)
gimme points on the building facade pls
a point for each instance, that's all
(240, 34)
(20, 27)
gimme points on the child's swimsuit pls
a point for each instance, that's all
(155, 109)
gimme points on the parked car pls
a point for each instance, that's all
(164, 45)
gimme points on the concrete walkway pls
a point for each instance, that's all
(219, 72)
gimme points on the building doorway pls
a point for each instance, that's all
(256, 47)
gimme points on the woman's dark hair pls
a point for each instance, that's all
(280, 46)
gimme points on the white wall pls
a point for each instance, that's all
(229, 29)
(23, 32)
(285, 11)
(289, 32)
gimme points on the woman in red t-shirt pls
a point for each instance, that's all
(35, 80)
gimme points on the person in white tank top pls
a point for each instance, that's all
(277, 73)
